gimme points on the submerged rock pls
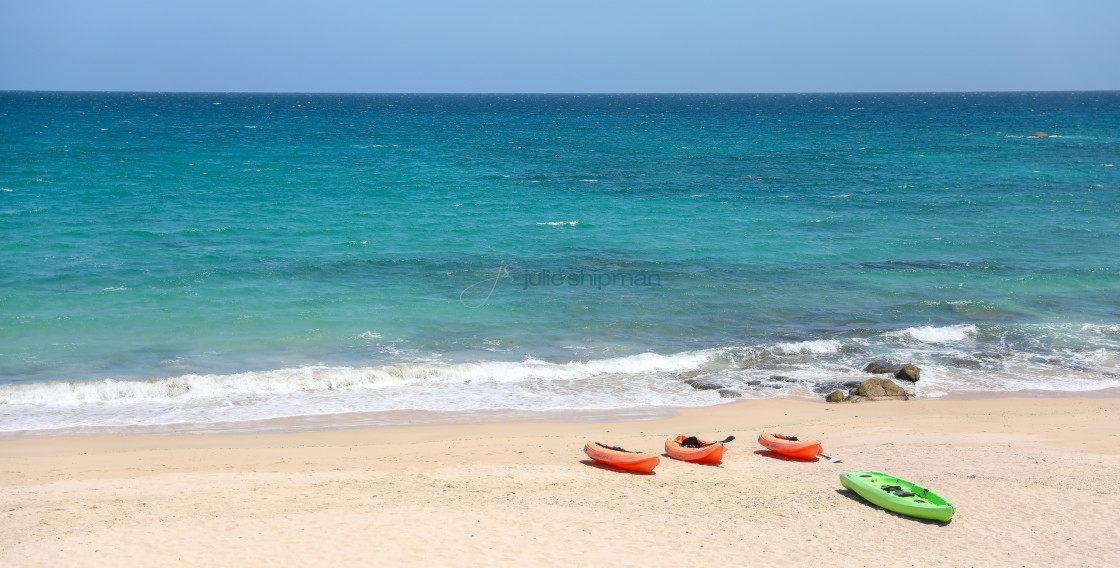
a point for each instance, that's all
(730, 393)
(1040, 135)
(878, 367)
(967, 363)
(704, 385)
(762, 384)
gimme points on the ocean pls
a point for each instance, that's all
(216, 261)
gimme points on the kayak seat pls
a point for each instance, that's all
(903, 494)
(691, 442)
(616, 448)
(788, 438)
(889, 488)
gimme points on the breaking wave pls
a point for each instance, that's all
(957, 357)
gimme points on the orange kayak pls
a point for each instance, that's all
(693, 449)
(790, 445)
(618, 457)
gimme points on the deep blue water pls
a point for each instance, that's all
(224, 257)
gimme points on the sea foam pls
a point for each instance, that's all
(643, 380)
(932, 334)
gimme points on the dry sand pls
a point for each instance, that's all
(1036, 482)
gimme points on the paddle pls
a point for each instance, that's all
(829, 458)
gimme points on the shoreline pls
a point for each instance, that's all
(1034, 480)
(409, 418)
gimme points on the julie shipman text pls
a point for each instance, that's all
(589, 279)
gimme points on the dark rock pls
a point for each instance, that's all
(835, 396)
(877, 367)
(704, 385)
(908, 372)
(759, 383)
(992, 354)
(829, 386)
(783, 378)
(730, 393)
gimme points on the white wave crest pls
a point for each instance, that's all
(238, 387)
(934, 334)
(815, 347)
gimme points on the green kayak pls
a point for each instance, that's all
(899, 495)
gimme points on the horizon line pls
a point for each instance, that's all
(547, 93)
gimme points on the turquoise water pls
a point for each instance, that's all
(221, 257)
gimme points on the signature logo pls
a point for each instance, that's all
(503, 272)
(554, 281)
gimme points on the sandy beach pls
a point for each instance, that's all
(1036, 480)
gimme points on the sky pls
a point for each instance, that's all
(569, 46)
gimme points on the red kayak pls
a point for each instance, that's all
(618, 457)
(790, 445)
(693, 449)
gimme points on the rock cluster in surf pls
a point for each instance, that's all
(879, 388)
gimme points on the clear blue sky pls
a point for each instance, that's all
(547, 46)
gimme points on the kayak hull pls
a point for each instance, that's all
(923, 503)
(632, 461)
(709, 452)
(804, 449)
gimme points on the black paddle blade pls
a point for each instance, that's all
(724, 441)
